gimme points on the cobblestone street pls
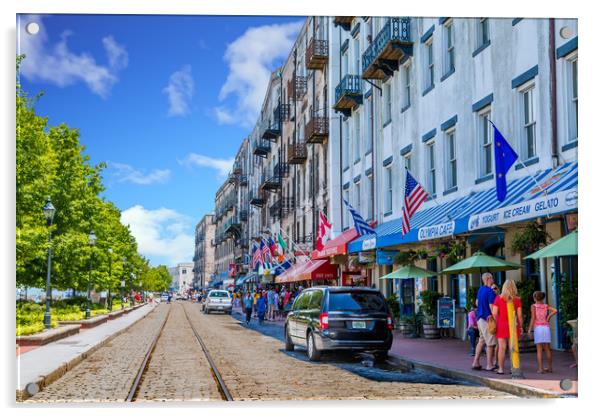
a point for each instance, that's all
(253, 365)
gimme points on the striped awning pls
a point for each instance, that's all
(525, 200)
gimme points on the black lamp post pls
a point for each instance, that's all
(124, 260)
(133, 299)
(109, 300)
(49, 212)
(92, 242)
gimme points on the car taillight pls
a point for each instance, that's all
(323, 320)
(389, 322)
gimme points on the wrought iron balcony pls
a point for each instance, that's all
(348, 94)
(393, 42)
(261, 148)
(243, 215)
(297, 87)
(231, 178)
(237, 168)
(271, 130)
(316, 130)
(283, 205)
(316, 55)
(243, 180)
(256, 198)
(344, 22)
(297, 154)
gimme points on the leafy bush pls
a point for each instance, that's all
(525, 291)
(530, 238)
(393, 302)
(471, 297)
(429, 305)
(568, 301)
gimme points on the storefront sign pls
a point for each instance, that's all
(462, 289)
(446, 313)
(385, 258)
(366, 257)
(369, 244)
(538, 207)
(436, 231)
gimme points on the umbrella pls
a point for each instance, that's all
(409, 272)
(479, 261)
(566, 246)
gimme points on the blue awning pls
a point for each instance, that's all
(477, 210)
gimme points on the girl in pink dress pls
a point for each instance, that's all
(540, 326)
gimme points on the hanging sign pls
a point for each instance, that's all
(385, 258)
(369, 244)
(366, 257)
(446, 313)
(462, 289)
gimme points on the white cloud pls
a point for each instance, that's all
(127, 173)
(251, 59)
(223, 166)
(161, 234)
(179, 91)
(57, 64)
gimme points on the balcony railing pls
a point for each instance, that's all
(256, 198)
(297, 154)
(297, 87)
(382, 57)
(237, 168)
(261, 148)
(243, 215)
(348, 94)
(344, 22)
(283, 205)
(316, 130)
(316, 55)
(243, 180)
(270, 130)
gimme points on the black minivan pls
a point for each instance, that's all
(339, 318)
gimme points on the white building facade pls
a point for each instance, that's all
(182, 277)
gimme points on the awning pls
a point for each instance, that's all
(291, 272)
(309, 270)
(335, 246)
(566, 246)
(478, 210)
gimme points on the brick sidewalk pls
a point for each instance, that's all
(452, 356)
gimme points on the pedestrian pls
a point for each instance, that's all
(541, 313)
(276, 299)
(270, 299)
(472, 329)
(487, 340)
(248, 305)
(261, 307)
(500, 313)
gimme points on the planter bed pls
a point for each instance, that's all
(44, 337)
(88, 323)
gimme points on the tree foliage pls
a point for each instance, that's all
(51, 162)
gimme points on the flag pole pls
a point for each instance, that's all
(541, 188)
(293, 245)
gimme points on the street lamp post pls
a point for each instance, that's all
(133, 300)
(92, 242)
(124, 260)
(109, 300)
(49, 212)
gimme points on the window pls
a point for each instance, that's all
(430, 168)
(528, 145)
(482, 32)
(357, 139)
(370, 197)
(388, 190)
(448, 39)
(386, 103)
(407, 162)
(316, 300)
(346, 211)
(183, 271)
(429, 69)
(345, 145)
(357, 56)
(573, 103)
(485, 143)
(451, 175)
(357, 204)
(368, 120)
(406, 87)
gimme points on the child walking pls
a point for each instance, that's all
(540, 326)
(472, 329)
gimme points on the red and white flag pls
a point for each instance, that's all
(414, 196)
(324, 232)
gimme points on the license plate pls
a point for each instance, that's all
(358, 324)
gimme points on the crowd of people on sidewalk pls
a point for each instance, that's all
(489, 319)
(270, 303)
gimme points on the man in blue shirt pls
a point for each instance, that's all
(485, 299)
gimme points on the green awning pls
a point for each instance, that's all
(566, 246)
(409, 272)
(480, 262)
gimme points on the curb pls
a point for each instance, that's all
(518, 390)
(43, 381)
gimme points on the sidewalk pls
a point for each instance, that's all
(451, 358)
(42, 365)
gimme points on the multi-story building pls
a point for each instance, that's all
(204, 252)
(422, 94)
(225, 240)
(182, 277)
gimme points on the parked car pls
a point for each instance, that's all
(218, 300)
(339, 318)
(164, 297)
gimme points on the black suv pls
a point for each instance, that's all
(339, 318)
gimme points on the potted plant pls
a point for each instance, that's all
(405, 258)
(529, 239)
(407, 326)
(429, 309)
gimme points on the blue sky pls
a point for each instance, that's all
(164, 100)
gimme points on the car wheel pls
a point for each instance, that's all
(288, 342)
(312, 352)
(381, 356)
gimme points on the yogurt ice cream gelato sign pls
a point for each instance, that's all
(538, 207)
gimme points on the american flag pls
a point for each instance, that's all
(414, 196)
(361, 226)
(256, 256)
(265, 251)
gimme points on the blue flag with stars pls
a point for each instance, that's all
(505, 156)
